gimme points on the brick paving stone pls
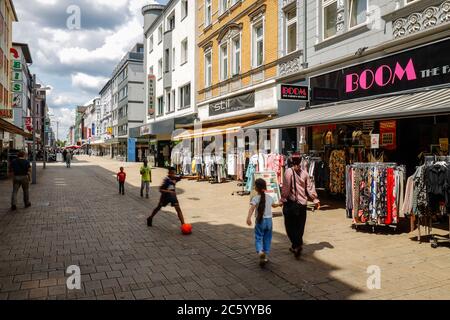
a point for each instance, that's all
(39, 276)
(22, 278)
(124, 296)
(159, 291)
(142, 294)
(38, 293)
(19, 295)
(48, 283)
(8, 287)
(57, 290)
(98, 276)
(109, 283)
(114, 274)
(30, 284)
(107, 297)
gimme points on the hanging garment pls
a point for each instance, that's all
(250, 175)
(337, 171)
(420, 193)
(406, 209)
(231, 164)
(390, 196)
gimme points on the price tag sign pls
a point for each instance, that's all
(374, 141)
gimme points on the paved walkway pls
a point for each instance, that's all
(78, 218)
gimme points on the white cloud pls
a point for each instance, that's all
(87, 82)
(62, 119)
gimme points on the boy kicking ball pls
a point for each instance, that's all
(168, 196)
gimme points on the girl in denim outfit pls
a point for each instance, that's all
(263, 224)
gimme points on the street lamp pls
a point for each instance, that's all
(34, 90)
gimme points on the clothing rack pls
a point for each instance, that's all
(370, 205)
(428, 221)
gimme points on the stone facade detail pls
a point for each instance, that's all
(418, 21)
(292, 66)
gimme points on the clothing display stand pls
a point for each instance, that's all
(373, 222)
(435, 239)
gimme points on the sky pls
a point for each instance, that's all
(75, 45)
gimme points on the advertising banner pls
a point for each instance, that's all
(388, 131)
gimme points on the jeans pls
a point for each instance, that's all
(122, 187)
(146, 185)
(24, 182)
(295, 221)
(263, 235)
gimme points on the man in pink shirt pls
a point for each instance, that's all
(297, 188)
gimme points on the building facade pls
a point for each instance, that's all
(237, 56)
(368, 66)
(170, 59)
(127, 91)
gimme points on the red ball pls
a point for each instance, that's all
(186, 229)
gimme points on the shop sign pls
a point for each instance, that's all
(17, 87)
(131, 149)
(17, 65)
(238, 103)
(151, 94)
(17, 76)
(109, 130)
(28, 124)
(17, 100)
(375, 141)
(411, 69)
(292, 92)
(6, 113)
(144, 130)
(388, 131)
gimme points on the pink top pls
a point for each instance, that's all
(305, 187)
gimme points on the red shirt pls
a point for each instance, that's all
(121, 176)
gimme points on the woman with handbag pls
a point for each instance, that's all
(297, 188)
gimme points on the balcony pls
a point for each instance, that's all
(290, 63)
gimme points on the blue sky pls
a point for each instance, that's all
(76, 63)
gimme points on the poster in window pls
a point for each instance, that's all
(388, 131)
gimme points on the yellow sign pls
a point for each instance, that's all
(443, 143)
(109, 130)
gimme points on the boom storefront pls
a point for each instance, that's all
(391, 115)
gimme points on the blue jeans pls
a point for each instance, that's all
(263, 235)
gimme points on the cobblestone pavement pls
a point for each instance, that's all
(78, 218)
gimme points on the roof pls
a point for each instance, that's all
(410, 104)
(25, 51)
(13, 10)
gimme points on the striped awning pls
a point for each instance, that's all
(414, 104)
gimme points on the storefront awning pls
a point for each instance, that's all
(228, 128)
(415, 104)
(9, 127)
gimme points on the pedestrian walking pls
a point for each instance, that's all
(68, 159)
(21, 169)
(297, 188)
(146, 178)
(64, 155)
(263, 205)
(121, 176)
(168, 196)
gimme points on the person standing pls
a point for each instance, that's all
(21, 169)
(121, 176)
(146, 178)
(68, 159)
(263, 205)
(65, 154)
(297, 188)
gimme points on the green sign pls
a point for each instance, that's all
(17, 76)
(17, 65)
(17, 87)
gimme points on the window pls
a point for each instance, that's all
(223, 6)
(329, 18)
(161, 106)
(223, 61)
(185, 96)
(172, 104)
(291, 30)
(184, 51)
(357, 12)
(166, 60)
(173, 58)
(208, 13)
(160, 33)
(208, 69)
(160, 66)
(236, 47)
(169, 101)
(150, 44)
(184, 8)
(171, 22)
(258, 44)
